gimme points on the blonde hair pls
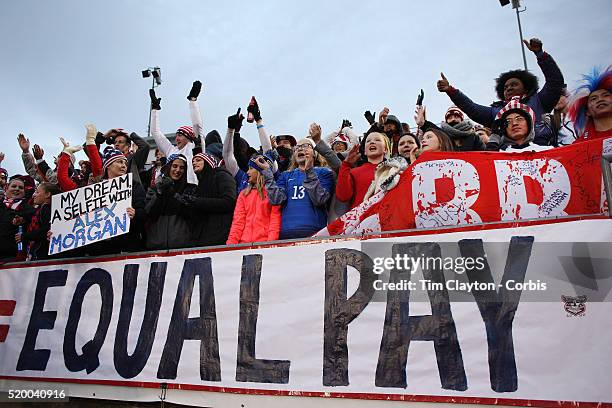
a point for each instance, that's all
(258, 185)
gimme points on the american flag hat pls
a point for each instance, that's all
(186, 131)
(515, 104)
(208, 158)
(109, 156)
(341, 137)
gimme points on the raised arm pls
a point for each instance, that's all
(233, 122)
(553, 87)
(194, 111)
(162, 142)
(478, 113)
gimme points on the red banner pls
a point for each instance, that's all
(461, 188)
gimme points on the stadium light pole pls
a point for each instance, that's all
(516, 4)
(155, 72)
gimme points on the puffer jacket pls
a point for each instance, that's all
(255, 219)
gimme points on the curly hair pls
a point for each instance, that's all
(530, 82)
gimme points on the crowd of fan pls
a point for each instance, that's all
(226, 192)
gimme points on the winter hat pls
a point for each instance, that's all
(393, 119)
(208, 158)
(515, 106)
(109, 156)
(290, 138)
(453, 109)
(593, 81)
(341, 138)
(186, 131)
(253, 164)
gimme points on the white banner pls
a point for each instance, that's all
(90, 214)
(306, 320)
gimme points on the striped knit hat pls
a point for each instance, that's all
(341, 138)
(453, 109)
(186, 131)
(515, 106)
(208, 158)
(109, 156)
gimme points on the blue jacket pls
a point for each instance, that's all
(304, 197)
(541, 102)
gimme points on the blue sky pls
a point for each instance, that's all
(69, 62)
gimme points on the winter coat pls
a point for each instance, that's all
(541, 102)
(255, 219)
(212, 207)
(35, 236)
(8, 246)
(168, 218)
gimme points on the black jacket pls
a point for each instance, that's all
(8, 246)
(212, 207)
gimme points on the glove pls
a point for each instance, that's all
(235, 121)
(164, 185)
(346, 123)
(370, 117)
(70, 150)
(253, 109)
(494, 142)
(90, 136)
(155, 101)
(100, 138)
(195, 91)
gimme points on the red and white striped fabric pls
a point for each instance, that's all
(186, 131)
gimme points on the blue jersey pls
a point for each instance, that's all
(242, 180)
(301, 216)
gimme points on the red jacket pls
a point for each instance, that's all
(63, 163)
(353, 184)
(255, 219)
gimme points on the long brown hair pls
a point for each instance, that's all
(446, 144)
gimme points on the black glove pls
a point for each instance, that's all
(132, 135)
(164, 185)
(195, 90)
(235, 121)
(345, 123)
(254, 109)
(370, 117)
(100, 139)
(155, 101)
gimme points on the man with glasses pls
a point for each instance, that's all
(514, 129)
(304, 191)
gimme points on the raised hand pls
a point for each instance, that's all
(234, 122)
(196, 88)
(38, 152)
(262, 163)
(155, 101)
(534, 45)
(90, 136)
(253, 110)
(345, 123)
(24, 143)
(370, 117)
(382, 116)
(443, 84)
(314, 132)
(70, 149)
(420, 115)
(353, 155)
(1, 157)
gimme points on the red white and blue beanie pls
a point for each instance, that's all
(341, 138)
(186, 131)
(453, 109)
(516, 105)
(111, 155)
(208, 158)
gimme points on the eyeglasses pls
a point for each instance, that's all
(514, 119)
(304, 146)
